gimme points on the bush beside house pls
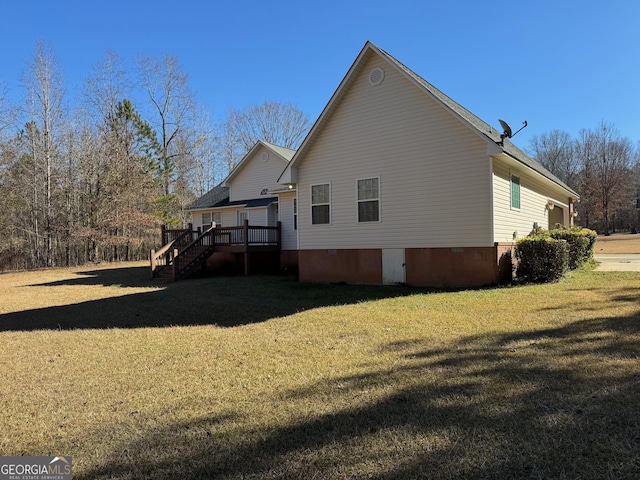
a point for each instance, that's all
(545, 256)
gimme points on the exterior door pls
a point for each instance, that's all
(242, 216)
(556, 216)
(393, 270)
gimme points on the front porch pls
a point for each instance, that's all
(186, 251)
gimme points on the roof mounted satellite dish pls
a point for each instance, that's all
(507, 130)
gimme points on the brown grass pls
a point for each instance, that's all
(618, 243)
(264, 377)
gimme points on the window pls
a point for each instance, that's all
(242, 216)
(515, 191)
(210, 217)
(295, 213)
(320, 204)
(206, 221)
(369, 200)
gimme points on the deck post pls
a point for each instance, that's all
(175, 264)
(279, 235)
(152, 260)
(163, 235)
(246, 246)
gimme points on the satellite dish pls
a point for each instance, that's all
(507, 129)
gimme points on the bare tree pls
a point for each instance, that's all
(45, 94)
(208, 169)
(282, 124)
(7, 113)
(555, 151)
(606, 158)
(173, 104)
(108, 85)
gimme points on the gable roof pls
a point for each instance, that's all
(284, 154)
(218, 196)
(472, 121)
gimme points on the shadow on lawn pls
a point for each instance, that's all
(222, 301)
(494, 406)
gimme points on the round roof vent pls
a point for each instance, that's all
(264, 157)
(376, 76)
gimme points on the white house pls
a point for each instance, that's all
(251, 192)
(396, 182)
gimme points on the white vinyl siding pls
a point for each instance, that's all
(368, 192)
(510, 223)
(435, 169)
(272, 215)
(286, 214)
(256, 175)
(321, 204)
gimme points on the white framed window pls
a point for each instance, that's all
(515, 192)
(209, 217)
(242, 216)
(206, 221)
(368, 191)
(321, 204)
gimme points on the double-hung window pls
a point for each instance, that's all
(209, 217)
(321, 204)
(515, 191)
(206, 221)
(369, 200)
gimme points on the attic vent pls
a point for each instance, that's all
(376, 76)
(264, 191)
(264, 157)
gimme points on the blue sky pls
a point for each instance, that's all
(562, 64)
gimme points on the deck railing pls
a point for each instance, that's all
(247, 235)
(182, 251)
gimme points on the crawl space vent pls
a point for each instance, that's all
(376, 76)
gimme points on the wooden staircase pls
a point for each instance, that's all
(182, 255)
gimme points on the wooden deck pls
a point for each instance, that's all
(186, 250)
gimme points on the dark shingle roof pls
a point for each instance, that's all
(212, 198)
(255, 202)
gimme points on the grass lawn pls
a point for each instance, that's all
(263, 377)
(618, 243)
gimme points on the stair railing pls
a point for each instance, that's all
(164, 257)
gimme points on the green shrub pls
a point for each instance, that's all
(581, 244)
(541, 258)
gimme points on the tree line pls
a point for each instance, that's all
(603, 167)
(90, 177)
